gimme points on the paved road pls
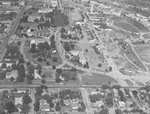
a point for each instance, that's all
(55, 86)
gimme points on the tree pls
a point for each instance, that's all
(39, 90)
(118, 111)
(26, 99)
(59, 71)
(4, 65)
(14, 67)
(95, 97)
(135, 93)
(12, 79)
(37, 106)
(33, 48)
(31, 69)
(58, 80)
(109, 101)
(2, 75)
(43, 81)
(10, 107)
(21, 60)
(104, 111)
(62, 30)
(105, 87)
(25, 108)
(57, 107)
(54, 59)
(53, 67)
(47, 63)
(67, 47)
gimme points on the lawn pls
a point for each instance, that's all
(29, 55)
(126, 26)
(139, 26)
(132, 57)
(146, 36)
(130, 83)
(144, 52)
(97, 79)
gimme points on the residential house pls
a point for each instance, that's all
(75, 52)
(39, 40)
(54, 3)
(45, 10)
(34, 16)
(67, 102)
(115, 92)
(36, 74)
(121, 104)
(12, 74)
(98, 104)
(44, 106)
(75, 106)
(6, 3)
(82, 59)
(7, 64)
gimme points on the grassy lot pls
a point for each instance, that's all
(97, 79)
(29, 55)
(139, 26)
(139, 83)
(126, 26)
(132, 56)
(146, 36)
(134, 35)
(144, 52)
(129, 82)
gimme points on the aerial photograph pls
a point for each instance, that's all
(74, 56)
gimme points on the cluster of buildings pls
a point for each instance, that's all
(139, 17)
(14, 96)
(11, 3)
(41, 32)
(70, 106)
(81, 56)
(124, 99)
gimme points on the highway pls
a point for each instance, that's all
(11, 32)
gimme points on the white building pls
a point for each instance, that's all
(82, 58)
(13, 74)
(75, 52)
(38, 40)
(53, 3)
(32, 17)
(45, 10)
(36, 75)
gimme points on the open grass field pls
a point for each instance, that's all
(130, 83)
(139, 26)
(131, 25)
(133, 58)
(126, 26)
(97, 79)
(146, 36)
(143, 52)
